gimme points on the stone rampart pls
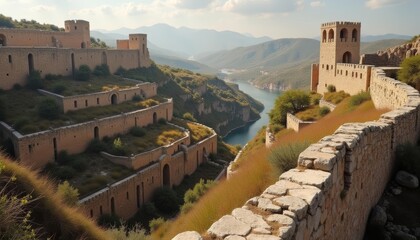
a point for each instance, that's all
(105, 98)
(295, 123)
(338, 179)
(37, 149)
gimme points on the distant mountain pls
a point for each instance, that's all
(177, 62)
(190, 41)
(279, 64)
(372, 38)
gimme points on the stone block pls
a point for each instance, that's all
(316, 178)
(276, 190)
(261, 237)
(310, 196)
(294, 204)
(229, 225)
(190, 235)
(267, 205)
(250, 218)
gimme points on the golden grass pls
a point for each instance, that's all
(64, 220)
(255, 173)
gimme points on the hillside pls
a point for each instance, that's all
(209, 100)
(177, 62)
(279, 64)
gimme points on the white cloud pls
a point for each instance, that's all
(191, 4)
(316, 4)
(374, 4)
(43, 8)
(262, 6)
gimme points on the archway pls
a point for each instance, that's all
(3, 40)
(324, 36)
(104, 58)
(331, 35)
(96, 132)
(166, 176)
(112, 205)
(354, 35)
(343, 35)
(154, 117)
(347, 57)
(31, 62)
(114, 99)
(83, 45)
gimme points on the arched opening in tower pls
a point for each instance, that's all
(114, 99)
(83, 45)
(331, 35)
(343, 35)
(166, 176)
(324, 36)
(354, 35)
(2, 40)
(347, 57)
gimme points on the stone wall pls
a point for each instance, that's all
(338, 179)
(128, 195)
(105, 98)
(323, 103)
(295, 123)
(37, 149)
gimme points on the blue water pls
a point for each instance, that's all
(243, 135)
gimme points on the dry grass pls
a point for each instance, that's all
(255, 173)
(309, 114)
(335, 97)
(56, 218)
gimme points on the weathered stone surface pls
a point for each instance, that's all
(294, 204)
(261, 231)
(229, 225)
(191, 235)
(377, 216)
(281, 219)
(234, 237)
(317, 178)
(276, 190)
(288, 185)
(267, 204)
(290, 214)
(309, 195)
(406, 179)
(261, 237)
(253, 201)
(324, 161)
(250, 218)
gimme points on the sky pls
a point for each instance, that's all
(272, 18)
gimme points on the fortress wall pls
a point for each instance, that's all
(292, 122)
(338, 179)
(39, 38)
(374, 59)
(59, 61)
(146, 180)
(37, 149)
(139, 187)
(352, 78)
(323, 103)
(195, 153)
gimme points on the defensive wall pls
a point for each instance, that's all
(323, 103)
(114, 96)
(37, 149)
(338, 179)
(17, 62)
(292, 122)
(167, 168)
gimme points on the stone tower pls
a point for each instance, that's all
(80, 29)
(340, 43)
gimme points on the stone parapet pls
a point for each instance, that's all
(295, 123)
(323, 103)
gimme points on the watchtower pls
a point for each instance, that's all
(340, 43)
(81, 29)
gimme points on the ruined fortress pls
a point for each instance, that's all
(61, 53)
(341, 177)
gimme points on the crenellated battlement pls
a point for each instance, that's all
(342, 23)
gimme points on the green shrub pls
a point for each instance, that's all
(78, 164)
(136, 98)
(96, 146)
(135, 232)
(69, 194)
(109, 220)
(324, 111)
(410, 71)
(275, 128)
(165, 200)
(49, 109)
(190, 196)
(101, 70)
(34, 80)
(58, 88)
(83, 74)
(120, 71)
(315, 97)
(162, 121)
(156, 223)
(285, 157)
(188, 116)
(64, 173)
(149, 210)
(359, 98)
(290, 101)
(335, 97)
(50, 77)
(137, 131)
(200, 188)
(63, 157)
(331, 88)
(408, 156)
(186, 207)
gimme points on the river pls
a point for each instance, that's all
(242, 135)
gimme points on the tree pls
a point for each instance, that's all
(83, 74)
(69, 194)
(49, 109)
(290, 101)
(410, 71)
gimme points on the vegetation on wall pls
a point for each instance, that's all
(8, 22)
(97, 43)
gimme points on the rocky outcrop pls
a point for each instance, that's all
(392, 56)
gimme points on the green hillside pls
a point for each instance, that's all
(177, 62)
(279, 64)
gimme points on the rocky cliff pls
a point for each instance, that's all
(393, 56)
